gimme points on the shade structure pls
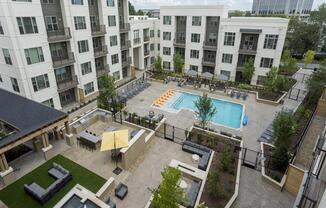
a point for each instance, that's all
(191, 73)
(207, 75)
(114, 140)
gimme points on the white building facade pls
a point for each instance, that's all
(53, 51)
(211, 42)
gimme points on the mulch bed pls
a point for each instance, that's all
(268, 95)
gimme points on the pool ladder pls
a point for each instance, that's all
(177, 102)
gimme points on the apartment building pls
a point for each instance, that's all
(209, 41)
(145, 37)
(53, 51)
(287, 7)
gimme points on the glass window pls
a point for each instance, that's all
(86, 68)
(166, 51)
(158, 33)
(111, 20)
(270, 41)
(14, 84)
(83, 46)
(1, 29)
(194, 54)
(152, 60)
(261, 80)
(7, 56)
(229, 39)
(226, 73)
(266, 62)
(166, 35)
(51, 23)
(195, 38)
(115, 58)
(196, 21)
(44, 1)
(227, 58)
(116, 75)
(166, 20)
(48, 103)
(152, 46)
(34, 55)
(40, 82)
(166, 65)
(1, 78)
(80, 23)
(110, 3)
(27, 25)
(88, 88)
(193, 67)
(158, 47)
(113, 40)
(77, 2)
(151, 33)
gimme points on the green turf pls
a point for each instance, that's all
(14, 195)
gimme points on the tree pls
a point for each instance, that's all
(201, 205)
(226, 158)
(178, 63)
(214, 184)
(149, 14)
(316, 85)
(205, 109)
(140, 12)
(248, 71)
(169, 194)
(309, 56)
(132, 10)
(158, 64)
(289, 63)
(107, 92)
(274, 81)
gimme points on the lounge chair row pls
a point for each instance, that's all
(136, 88)
(238, 94)
(267, 135)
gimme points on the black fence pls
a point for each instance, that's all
(172, 133)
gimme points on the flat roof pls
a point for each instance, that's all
(25, 115)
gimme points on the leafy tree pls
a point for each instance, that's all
(107, 92)
(309, 56)
(248, 71)
(226, 158)
(149, 14)
(289, 63)
(140, 12)
(205, 109)
(275, 82)
(178, 63)
(158, 64)
(215, 188)
(132, 10)
(169, 194)
(316, 85)
(202, 205)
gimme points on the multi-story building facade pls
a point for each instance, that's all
(287, 7)
(53, 51)
(209, 41)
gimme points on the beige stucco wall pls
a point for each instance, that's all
(293, 179)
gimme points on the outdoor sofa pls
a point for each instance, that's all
(193, 193)
(121, 191)
(203, 152)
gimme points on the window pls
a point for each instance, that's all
(226, 73)
(227, 58)
(196, 21)
(88, 88)
(158, 47)
(80, 23)
(113, 40)
(83, 46)
(110, 3)
(195, 38)
(266, 62)
(1, 29)
(166, 20)
(86, 68)
(1, 78)
(6, 56)
(166, 65)
(152, 60)
(14, 84)
(158, 33)
(115, 59)
(34, 55)
(194, 54)
(77, 2)
(51, 23)
(48, 103)
(40, 82)
(261, 80)
(116, 75)
(27, 25)
(193, 67)
(166, 51)
(270, 41)
(151, 33)
(152, 47)
(111, 20)
(166, 35)
(44, 1)
(229, 39)
(94, 21)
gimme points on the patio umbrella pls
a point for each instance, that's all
(115, 140)
(223, 77)
(207, 75)
(191, 73)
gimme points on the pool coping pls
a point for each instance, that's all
(221, 99)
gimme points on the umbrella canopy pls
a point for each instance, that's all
(191, 73)
(223, 77)
(114, 140)
(207, 75)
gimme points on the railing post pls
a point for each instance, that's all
(244, 155)
(164, 130)
(173, 133)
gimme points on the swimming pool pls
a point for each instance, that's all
(228, 114)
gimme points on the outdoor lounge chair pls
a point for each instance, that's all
(244, 96)
(121, 191)
(111, 203)
(238, 94)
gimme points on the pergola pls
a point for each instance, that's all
(27, 120)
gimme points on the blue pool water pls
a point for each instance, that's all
(228, 114)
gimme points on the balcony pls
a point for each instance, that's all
(179, 42)
(100, 51)
(126, 62)
(146, 53)
(137, 41)
(104, 70)
(248, 49)
(98, 30)
(146, 38)
(59, 35)
(125, 45)
(210, 46)
(63, 60)
(67, 84)
(208, 62)
(125, 27)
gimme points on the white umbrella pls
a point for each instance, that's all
(191, 73)
(207, 75)
(223, 77)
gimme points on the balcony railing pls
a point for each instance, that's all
(67, 84)
(210, 46)
(137, 41)
(59, 35)
(63, 60)
(248, 49)
(125, 45)
(98, 30)
(146, 38)
(125, 27)
(126, 61)
(208, 62)
(104, 70)
(146, 53)
(178, 42)
(100, 51)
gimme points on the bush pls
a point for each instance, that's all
(214, 184)
(245, 86)
(226, 158)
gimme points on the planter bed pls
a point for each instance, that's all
(268, 95)
(270, 169)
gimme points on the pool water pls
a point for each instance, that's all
(228, 114)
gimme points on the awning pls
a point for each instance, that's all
(114, 140)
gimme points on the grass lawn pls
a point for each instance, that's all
(14, 195)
